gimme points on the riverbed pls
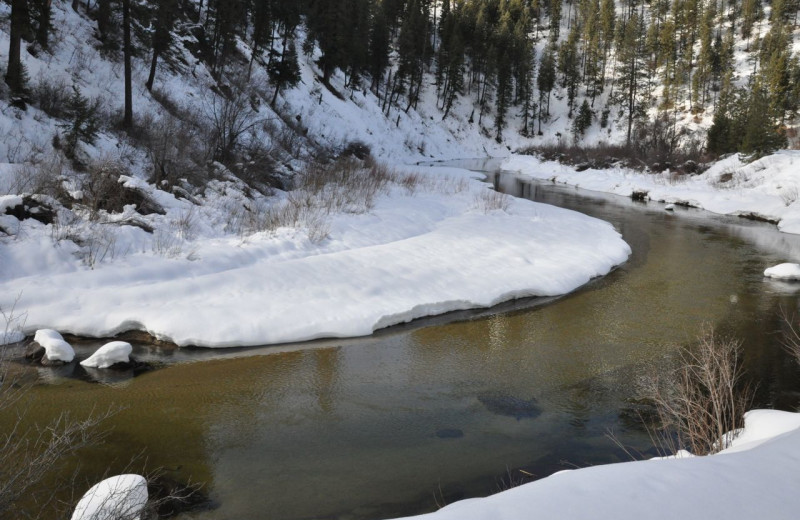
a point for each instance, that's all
(444, 408)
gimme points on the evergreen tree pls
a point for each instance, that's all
(582, 121)
(546, 79)
(15, 73)
(568, 66)
(165, 16)
(631, 69)
(763, 134)
(127, 121)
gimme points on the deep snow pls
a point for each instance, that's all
(439, 249)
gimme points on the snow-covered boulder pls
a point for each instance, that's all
(122, 497)
(109, 354)
(56, 350)
(786, 271)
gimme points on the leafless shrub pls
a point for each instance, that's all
(791, 335)
(229, 117)
(654, 149)
(97, 246)
(29, 453)
(185, 223)
(701, 405)
(101, 189)
(51, 96)
(44, 177)
(489, 200)
(174, 147)
(14, 324)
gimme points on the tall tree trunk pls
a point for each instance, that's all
(43, 31)
(126, 36)
(153, 64)
(19, 9)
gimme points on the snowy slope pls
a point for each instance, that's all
(755, 478)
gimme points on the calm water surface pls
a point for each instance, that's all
(441, 409)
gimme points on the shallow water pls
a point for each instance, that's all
(444, 408)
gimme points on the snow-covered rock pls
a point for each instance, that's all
(669, 207)
(122, 497)
(109, 354)
(787, 271)
(56, 349)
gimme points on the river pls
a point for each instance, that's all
(449, 407)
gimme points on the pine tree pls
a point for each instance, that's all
(15, 73)
(569, 67)
(286, 72)
(165, 16)
(762, 134)
(126, 48)
(631, 70)
(379, 36)
(583, 120)
(546, 79)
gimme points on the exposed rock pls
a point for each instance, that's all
(57, 351)
(145, 205)
(449, 433)
(47, 362)
(582, 167)
(33, 207)
(34, 352)
(503, 404)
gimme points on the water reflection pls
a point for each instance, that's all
(372, 428)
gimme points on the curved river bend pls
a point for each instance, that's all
(441, 409)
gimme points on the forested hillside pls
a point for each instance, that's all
(605, 69)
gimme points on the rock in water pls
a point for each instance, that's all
(109, 354)
(504, 404)
(57, 351)
(786, 271)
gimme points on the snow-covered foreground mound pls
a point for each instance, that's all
(768, 188)
(413, 255)
(755, 478)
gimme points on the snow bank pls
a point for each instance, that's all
(11, 336)
(439, 249)
(109, 354)
(120, 497)
(755, 478)
(56, 349)
(786, 271)
(768, 188)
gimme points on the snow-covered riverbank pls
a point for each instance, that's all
(767, 188)
(452, 244)
(754, 478)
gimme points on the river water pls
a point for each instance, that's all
(449, 407)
